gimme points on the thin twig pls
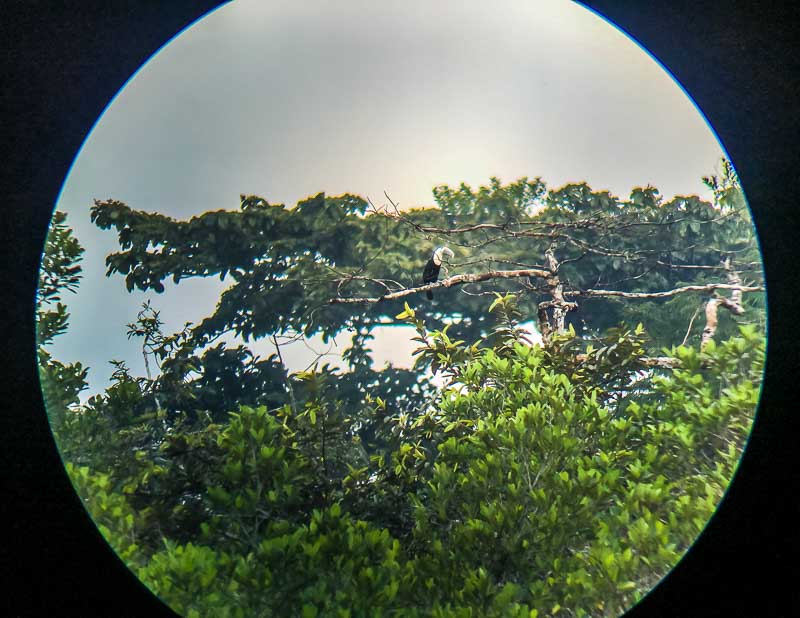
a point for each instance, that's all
(292, 400)
(689, 330)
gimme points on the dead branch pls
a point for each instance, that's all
(709, 287)
(665, 362)
(544, 325)
(559, 303)
(455, 280)
(689, 328)
(551, 314)
(732, 304)
(711, 321)
(289, 388)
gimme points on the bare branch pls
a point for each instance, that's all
(455, 280)
(559, 303)
(732, 304)
(710, 287)
(544, 325)
(691, 321)
(711, 321)
(748, 266)
(665, 362)
(288, 379)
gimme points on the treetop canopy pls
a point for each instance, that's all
(332, 263)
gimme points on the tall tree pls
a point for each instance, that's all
(572, 255)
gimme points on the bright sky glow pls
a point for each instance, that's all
(284, 99)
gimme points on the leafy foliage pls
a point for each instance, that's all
(286, 264)
(60, 271)
(519, 491)
(563, 479)
(114, 517)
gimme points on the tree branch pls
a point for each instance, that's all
(732, 304)
(710, 287)
(711, 322)
(288, 378)
(602, 222)
(665, 362)
(455, 280)
(689, 328)
(559, 303)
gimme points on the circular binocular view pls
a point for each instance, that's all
(407, 308)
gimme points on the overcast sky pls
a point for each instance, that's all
(285, 99)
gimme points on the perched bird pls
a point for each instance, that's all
(431, 272)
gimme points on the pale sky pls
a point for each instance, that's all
(285, 99)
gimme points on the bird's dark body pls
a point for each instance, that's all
(430, 274)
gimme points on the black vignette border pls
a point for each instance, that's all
(738, 61)
(65, 63)
(62, 65)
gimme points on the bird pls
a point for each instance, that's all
(431, 272)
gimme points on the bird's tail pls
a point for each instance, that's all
(429, 294)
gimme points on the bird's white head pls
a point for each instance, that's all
(442, 253)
